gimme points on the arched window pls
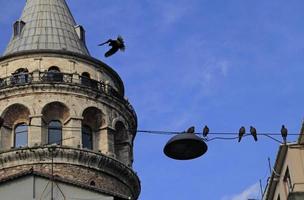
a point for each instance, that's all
(20, 76)
(87, 137)
(86, 79)
(54, 74)
(55, 132)
(54, 69)
(18, 26)
(21, 135)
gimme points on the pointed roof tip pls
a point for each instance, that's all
(47, 25)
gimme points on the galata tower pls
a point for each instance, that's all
(67, 129)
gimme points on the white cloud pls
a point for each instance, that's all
(252, 192)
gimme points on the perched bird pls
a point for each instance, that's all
(205, 131)
(242, 132)
(253, 133)
(284, 133)
(191, 129)
(116, 45)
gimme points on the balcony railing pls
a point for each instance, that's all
(52, 77)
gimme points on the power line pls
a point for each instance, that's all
(217, 135)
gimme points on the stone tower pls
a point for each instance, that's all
(68, 131)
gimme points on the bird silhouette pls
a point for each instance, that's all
(191, 129)
(205, 131)
(253, 133)
(242, 132)
(284, 133)
(116, 45)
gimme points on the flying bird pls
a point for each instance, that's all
(116, 45)
(191, 129)
(242, 132)
(205, 131)
(253, 133)
(284, 133)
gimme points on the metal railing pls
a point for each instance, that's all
(16, 80)
(53, 77)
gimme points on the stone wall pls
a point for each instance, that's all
(78, 167)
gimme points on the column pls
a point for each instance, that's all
(105, 141)
(71, 133)
(35, 133)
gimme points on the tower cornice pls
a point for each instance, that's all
(124, 181)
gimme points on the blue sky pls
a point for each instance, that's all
(194, 62)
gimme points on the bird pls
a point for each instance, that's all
(253, 132)
(191, 129)
(242, 132)
(116, 45)
(284, 133)
(205, 131)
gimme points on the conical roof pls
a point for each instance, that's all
(47, 25)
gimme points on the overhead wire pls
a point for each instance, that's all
(218, 135)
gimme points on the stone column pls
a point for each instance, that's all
(71, 133)
(105, 141)
(36, 75)
(6, 138)
(35, 137)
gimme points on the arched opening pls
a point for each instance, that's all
(93, 119)
(15, 117)
(55, 132)
(87, 137)
(20, 76)
(18, 27)
(53, 114)
(21, 135)
(54, 69)
(85, 79)
(53, 75)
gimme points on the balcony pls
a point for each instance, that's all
(37, 77)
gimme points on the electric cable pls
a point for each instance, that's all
(218, 135)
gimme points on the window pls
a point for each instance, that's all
(54, 75)
(18, 26)
(86, 79)
(87, 137)
(287, 180)
(80, 32)
(20, 76)
(21, 133)
(55, 132)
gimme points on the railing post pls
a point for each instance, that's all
(75, 78)
(107, 87)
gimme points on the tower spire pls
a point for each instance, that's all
(47, 25)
